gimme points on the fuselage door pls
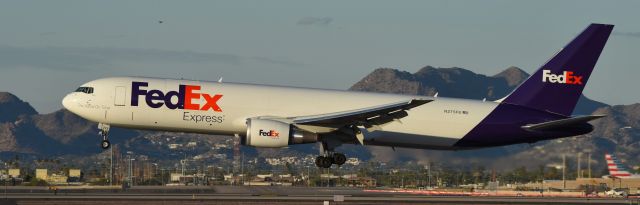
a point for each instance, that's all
(120, 96)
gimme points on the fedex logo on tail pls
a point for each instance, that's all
(185, 96)
(566, 77)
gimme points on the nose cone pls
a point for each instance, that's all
(68, 102)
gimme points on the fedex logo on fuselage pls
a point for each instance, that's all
(566, 77)
(185, 96)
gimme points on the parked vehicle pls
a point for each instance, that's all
(618, 192)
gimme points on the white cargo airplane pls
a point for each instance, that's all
(277, 116)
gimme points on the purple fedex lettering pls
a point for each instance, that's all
(156, 98)
(135, 92)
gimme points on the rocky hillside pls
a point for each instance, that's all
(620, 130)
(11, 107)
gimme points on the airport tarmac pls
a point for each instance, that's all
(264, 196)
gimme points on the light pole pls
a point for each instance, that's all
(111, 166)
(429, 174)
(155, 170)
(564, 171)
(131, 171)
(162, 176)
(589, 164)
(579, 174)
(308, 177)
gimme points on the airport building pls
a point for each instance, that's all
(73, 175)
(352, 180)
(14, 173)
(41, 174)
(57, 179)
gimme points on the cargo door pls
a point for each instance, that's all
(121, 95)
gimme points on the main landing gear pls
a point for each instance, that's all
(328, 156)
(326, 161)
(104, 132)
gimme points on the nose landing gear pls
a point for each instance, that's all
(104, 132)
(105, 144)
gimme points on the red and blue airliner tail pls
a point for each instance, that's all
(616, 168)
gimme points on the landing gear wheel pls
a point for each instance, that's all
(105, 144)
(319, 161)
(324, 162)
(339, 159)
(104, 132)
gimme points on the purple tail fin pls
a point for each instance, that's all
(558, 84)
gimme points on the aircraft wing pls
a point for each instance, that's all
(561, 123)
(368, 117)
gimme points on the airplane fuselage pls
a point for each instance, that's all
(223, 109)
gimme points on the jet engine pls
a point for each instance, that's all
(273, 133)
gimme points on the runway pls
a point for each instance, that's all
(133, 199)
(264, 196)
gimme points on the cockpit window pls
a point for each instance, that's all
(87, 90)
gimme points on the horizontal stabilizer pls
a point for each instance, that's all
(561, 123)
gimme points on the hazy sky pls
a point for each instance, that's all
(48, 48)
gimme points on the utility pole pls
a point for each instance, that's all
(416, 177)
(242, 168)
(162, 177)
(328, 176)
(182, 166)
(429, 174)
(308, 177)
(589, 164)
(579, 175)
(564, 171)
(131, 171)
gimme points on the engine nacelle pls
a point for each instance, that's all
(272, 133)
